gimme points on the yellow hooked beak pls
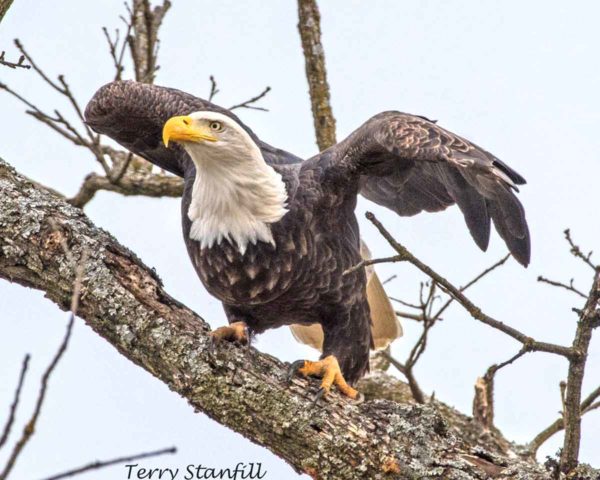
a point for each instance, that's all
(184, 129)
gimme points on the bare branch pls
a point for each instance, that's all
(374, 261)
(588, 320)
(117, 47)
(30, 426)
(4, 6)
(558, 425)
(309, 25)
(19, 64)
(99, 464)
(483, 401)
(15, 403)
(59, 123)
(469, 306)
(213, 88)
(249, 103)
(37, 69)
(476, 279)
(428, 320)
(144, 41)
(570, 287)
(142, 183)
(119, 176)
(410, 316)
(576, 251)
(415, 389)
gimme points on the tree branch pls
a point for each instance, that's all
(558, 425)
(13, 407)
(570, 287)
(309, 26)
(249, 103)
(588, 320)
(134, 183)
(483, 401)
(18, 64)
(99, 464)
(124, 302)
(30, 426)
(4, 6)
(474, 311)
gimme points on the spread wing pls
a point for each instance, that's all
(134, 113)
(410, 164)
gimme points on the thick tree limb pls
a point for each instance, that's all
(123, 301)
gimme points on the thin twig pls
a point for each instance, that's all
(15, 403)
(19, 64)
(98, 464)
(374, 261)
(554, 283)
(476, 279)
(213, 88)
(410, 316)
(121, 173)
(576, 251)
(248, 103)
(59, 123)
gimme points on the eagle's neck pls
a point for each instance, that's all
(235, 196)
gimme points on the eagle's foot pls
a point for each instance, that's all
(236, 332)
(329, 370)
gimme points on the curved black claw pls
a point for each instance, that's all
(320, 393)
(294, 367)
(359, 399)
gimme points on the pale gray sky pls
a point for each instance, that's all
(519, 78)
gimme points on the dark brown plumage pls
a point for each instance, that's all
(404, 162)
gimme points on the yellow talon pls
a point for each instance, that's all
(234, 332)
(329, 370)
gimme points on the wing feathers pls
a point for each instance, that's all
(438, 169)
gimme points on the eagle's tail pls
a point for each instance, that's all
(385, 326)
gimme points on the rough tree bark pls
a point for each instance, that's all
(309, 26)
(124, 302)
(4, 6)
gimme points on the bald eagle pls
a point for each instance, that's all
(271, 235)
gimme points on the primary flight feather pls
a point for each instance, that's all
(270, 235)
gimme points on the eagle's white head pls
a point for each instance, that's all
(236, 195)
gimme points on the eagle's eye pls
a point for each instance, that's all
(216, 126)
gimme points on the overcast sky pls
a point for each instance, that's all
(518, 78)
